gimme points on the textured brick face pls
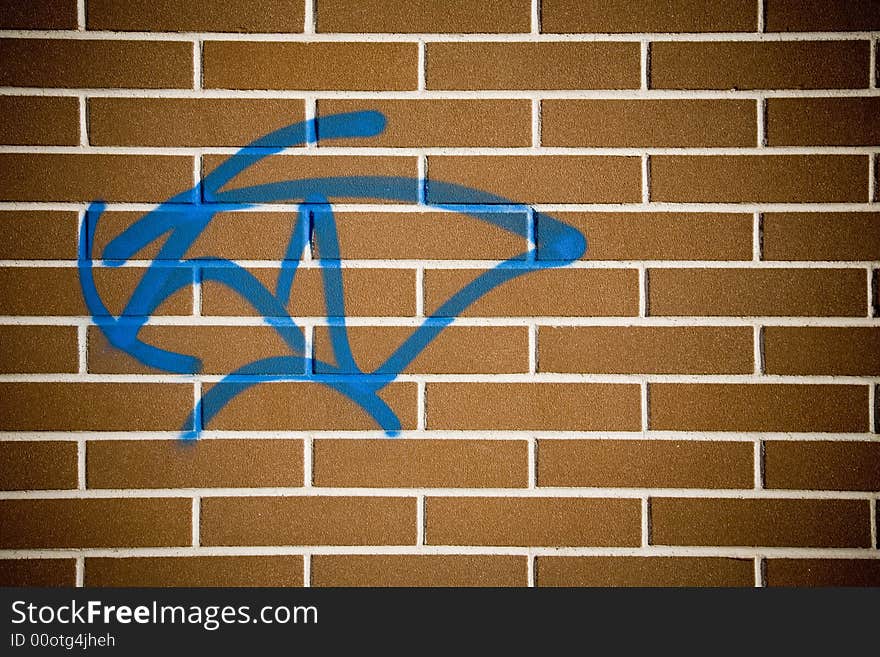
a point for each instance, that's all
(692, 402)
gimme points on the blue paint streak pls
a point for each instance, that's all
(180, 222)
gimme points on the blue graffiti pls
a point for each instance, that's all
(182, 219)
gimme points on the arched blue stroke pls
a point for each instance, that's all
(181, 222)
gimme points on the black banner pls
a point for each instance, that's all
(285, 621)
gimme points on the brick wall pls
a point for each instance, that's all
(694, 402)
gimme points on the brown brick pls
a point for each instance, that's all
(644, 571)
(533, 406)
(310, 406)
(79, 177)
(421, 463)
(50, 291)
(39, 121)
(566, 521)
(758, 407)
(547, 292)
(822, 465)
(645, 464)
(202, 464)
(829, 350)
(456, 350)
(366, 292)
(549, 65)
(418, 570)
(823, 121)
(38, 15)
(659, 235)
(94, 406)
(37, 572)
(821, 236)
(634, 123)
(38, 465)
(308, 521)
(263, 570)
(759, 522)
(188, 121)
(434, 123)
(358, 66)
(646, 349)
(537, 179)
(93, 63)
(565, 16)
(822, 15)
(233, 235)
(299, 167)
(760, 178)
(823, 572)
(38, 349)
(758, 292)
(429, 235)
(221, 349)
(39, 235)
(198, 16)
(85, 523)
(760, 65)
(457, 16)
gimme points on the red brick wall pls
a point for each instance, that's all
(694, 402)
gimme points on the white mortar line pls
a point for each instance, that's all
(408, 152)
(196, 520)
(757, 237)
(80, 565)
(532, 463)
(189, 320)
(83, 122)
(475, 265)
(646, 521)
(645, 65)
(727, 208)
(81, 464)
(758, 346)
(308, 462)
(517, 377)
(80, 15)
(525, 493)
(431, 37)
(307, 564)
(872, 65)
(421, 406)
(309, 18)
(197, 64)
(82, 339)
(759, 465)
(645, 409)
(643, 291)
(872, 179)
(420, 520)
(759, 572)
(533, 348)
(501, 434)
(421, 84)
(536, 17)
(536, 123)
(762, 16)
(283, 550)
(762, 123)
(420, 291)
(495, 94)
(873, 521)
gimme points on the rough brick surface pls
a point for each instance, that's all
(694, 402)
